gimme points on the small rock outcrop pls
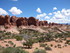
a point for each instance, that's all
(41, 23)
(2, 20)
(13, 20)
(7, 19)
(21, 21)
(32, 21)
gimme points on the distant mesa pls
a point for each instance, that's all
(22, 21)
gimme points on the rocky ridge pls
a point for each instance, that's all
(22, 21)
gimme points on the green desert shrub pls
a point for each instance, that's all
(10, 42)
(1, 49)
(6, 27)
(35, 40)
(48, 48)
(5, 41)
(18, 38)
(51, 45)
(28, 43)
(14, 45)
(7, 33)
(20, 47)
(30, 32)
(1, 31)
(67, 41)
(39, 51)
(58, 45)
(59, 35)
(55, 46)
(42, 45)
(7, 45)
(36, 48)
(49, 37)
(13, 50)
(41, 39)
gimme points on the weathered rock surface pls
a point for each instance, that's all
(7, 19)
(22, 21)
(32, 21)
(13, 20)
(2, 20)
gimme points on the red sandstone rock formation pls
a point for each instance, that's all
(13, 20)
(37, 22)
(21, 21)
(7, 19)
(2, 20)
(32, 21)
(45, 23)
(51, 24)
(41, 23)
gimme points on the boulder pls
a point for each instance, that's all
(41, 23)
(52, 24)
(7, 19)
(13, 20)
(37, 22)
(2, 20)
(25, 21)
(32, 21)
(21, 21)
(45, 23)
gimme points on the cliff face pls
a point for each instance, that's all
(2, 20)
(19, 21)
(13, 20)
(32, 21)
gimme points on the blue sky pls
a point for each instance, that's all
(51, 10)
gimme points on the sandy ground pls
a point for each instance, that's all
(12, 30)
(34, 28)
(4, 42)
(59, 50)
(36, 45)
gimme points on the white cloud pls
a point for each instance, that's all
(54, 8)
(59, 20)
(58, 15)
(15, 11)
(41, 16)
(66, 12)
(3, 12)
(47, 17)
(14, 0)
(50, 14)
(39, 10)
(62, 16)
